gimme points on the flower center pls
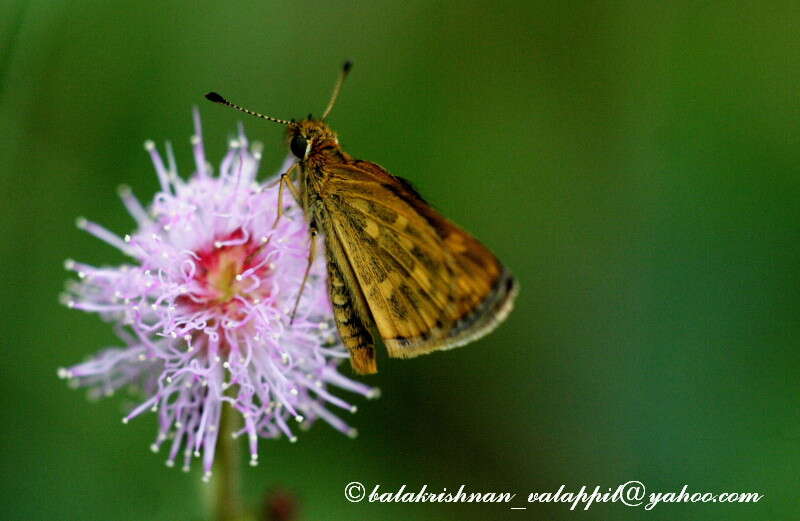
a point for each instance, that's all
(221, 276)
(227, 273)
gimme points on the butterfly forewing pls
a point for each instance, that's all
(427, 284)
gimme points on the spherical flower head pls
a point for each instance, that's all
(204, 310)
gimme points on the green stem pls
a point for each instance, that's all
(227, 498)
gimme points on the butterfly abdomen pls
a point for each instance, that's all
(352, 329)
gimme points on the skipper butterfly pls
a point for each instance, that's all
(395, 265)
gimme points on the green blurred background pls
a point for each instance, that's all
(636, 164)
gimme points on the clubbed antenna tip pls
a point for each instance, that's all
(216, 98)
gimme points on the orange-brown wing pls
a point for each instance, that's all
(428, 285)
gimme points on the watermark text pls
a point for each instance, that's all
(631, 494)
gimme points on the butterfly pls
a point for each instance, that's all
(395, 265)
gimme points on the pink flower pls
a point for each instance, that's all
(203, 310)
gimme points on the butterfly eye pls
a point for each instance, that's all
(298, 146)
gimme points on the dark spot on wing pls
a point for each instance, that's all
(359, 224)
(381, 213)
(424, 259)
(357, 220)
(396, 304)
(378, 270)
(412, 231)
(389, 243)
(405, 290)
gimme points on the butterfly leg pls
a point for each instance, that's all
(312, 254)
(286, 181)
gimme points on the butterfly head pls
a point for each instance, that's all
(310, 136)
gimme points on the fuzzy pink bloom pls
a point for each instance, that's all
(203, 310)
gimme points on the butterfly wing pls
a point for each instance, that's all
(426, 284)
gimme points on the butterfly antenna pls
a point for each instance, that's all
(342, 75)
(216, 98)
